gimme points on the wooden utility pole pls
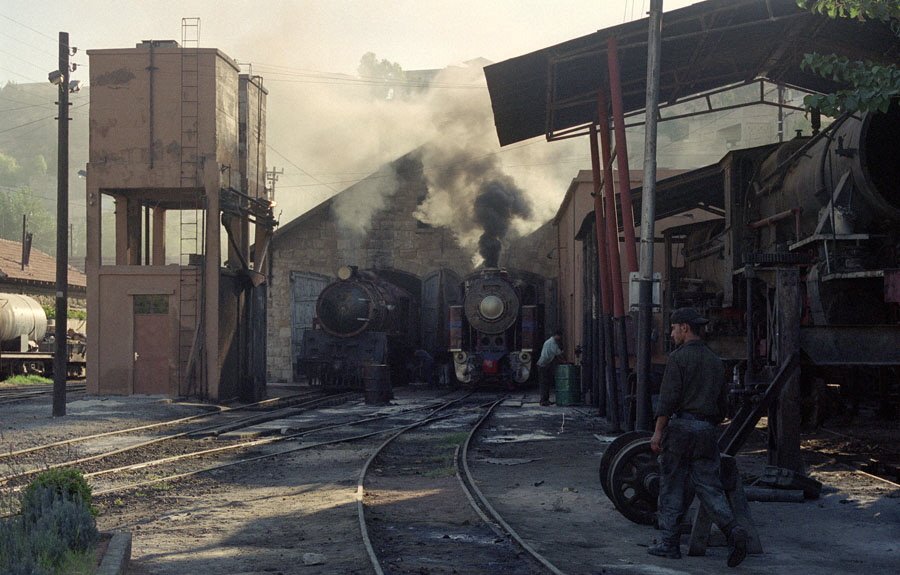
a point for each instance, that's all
(62, 228)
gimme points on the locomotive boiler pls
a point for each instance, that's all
(363, 318)
(496, 331)
(826, 207)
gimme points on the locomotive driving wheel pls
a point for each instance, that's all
(633, 481)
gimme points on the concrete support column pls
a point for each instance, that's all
(159, 237)
(92, 271)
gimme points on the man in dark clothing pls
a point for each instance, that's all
(691, 404)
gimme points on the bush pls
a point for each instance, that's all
(56, 521)
(68, 483)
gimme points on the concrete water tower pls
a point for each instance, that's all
(177, 157)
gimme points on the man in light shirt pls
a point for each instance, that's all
(546, 363)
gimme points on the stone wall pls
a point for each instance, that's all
(370, 225)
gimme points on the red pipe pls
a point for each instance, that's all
(615, 88)
(612, 227)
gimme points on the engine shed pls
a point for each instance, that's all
(592, 86)
(176, 196)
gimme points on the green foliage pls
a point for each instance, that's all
(30, 379)
(21, 201)
(55, 530)
(859, 9)
(871, 86)
(69, 483)
(50, 312)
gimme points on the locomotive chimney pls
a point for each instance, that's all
(497, 203)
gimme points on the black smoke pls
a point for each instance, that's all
(498, 202)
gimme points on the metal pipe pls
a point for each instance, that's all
(618, 107)
(607, 387)
(615, 265)
(775, 218)
(611, 219)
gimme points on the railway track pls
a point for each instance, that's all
(428, 459)
(151, 443)
(433, 484)
(19, 393)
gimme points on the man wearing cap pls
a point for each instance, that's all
(691, 404)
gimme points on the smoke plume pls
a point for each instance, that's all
(351, 136)
(495, 207)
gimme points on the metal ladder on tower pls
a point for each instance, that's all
(191, 229)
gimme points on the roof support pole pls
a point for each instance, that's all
(615, 264)
(606, 363)
(643, 417)
(618, 108)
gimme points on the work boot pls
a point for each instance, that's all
(737, 546)
(665, 550)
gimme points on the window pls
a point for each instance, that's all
(151, 304)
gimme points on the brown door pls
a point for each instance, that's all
(151, 344)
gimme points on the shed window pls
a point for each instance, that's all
(151, 304)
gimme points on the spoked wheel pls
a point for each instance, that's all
(634, 481)
(614, 448)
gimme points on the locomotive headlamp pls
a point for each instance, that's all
(491, 307)
(346, 272)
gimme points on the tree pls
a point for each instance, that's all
(388, 78)
(872, 85)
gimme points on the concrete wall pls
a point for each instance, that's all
(136, 136)
(111, 326)
(164, 134)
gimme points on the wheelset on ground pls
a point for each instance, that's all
(629, 475)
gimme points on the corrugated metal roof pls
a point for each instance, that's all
(705, 46)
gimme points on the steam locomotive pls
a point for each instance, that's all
(826, 208)
(376, 317)
(496, 332)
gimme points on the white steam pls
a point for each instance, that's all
(342, 135)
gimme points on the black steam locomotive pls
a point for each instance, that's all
(496, 332)
(826, 209)
(376, 317)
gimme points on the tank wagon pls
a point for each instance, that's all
(26, 347)
(496, 332)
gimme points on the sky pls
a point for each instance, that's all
(312, 35)
(318, 132)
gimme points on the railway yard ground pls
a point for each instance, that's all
(537, 467)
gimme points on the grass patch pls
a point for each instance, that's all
(27, 380)
(441, 472)
(452, 440)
